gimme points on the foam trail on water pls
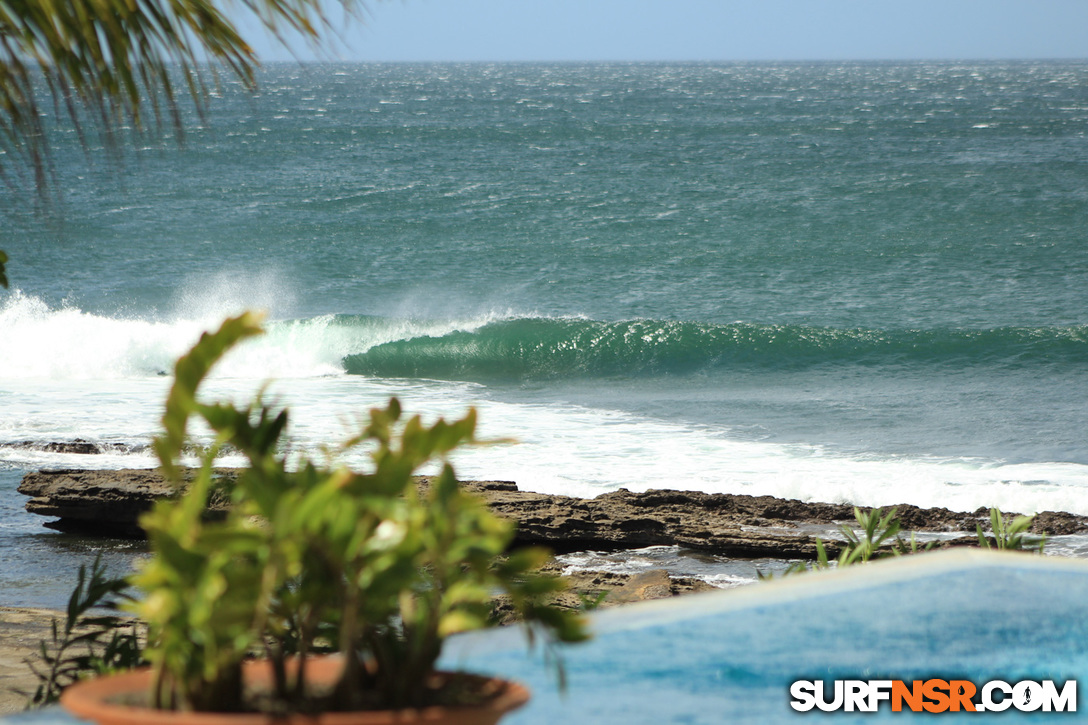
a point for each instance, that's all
(564, 449)
(585, 452)
(577, 451)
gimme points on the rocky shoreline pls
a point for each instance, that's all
(108, 503)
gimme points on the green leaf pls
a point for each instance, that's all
(93, 652)
(120, 66)
(460, 621)
(189, 371)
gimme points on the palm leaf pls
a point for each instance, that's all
(117, 64)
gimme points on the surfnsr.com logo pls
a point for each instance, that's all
(934, 695)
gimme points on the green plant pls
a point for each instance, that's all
(92, 640)
(876, 528)
(872, 542)
(306, 550)
(1010, 535)
(910, 547)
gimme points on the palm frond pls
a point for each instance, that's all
(122, 64)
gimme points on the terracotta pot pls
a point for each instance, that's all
(96, 700)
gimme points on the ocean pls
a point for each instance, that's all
(855, 282)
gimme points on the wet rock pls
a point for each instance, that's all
(590, 590)
(79, 446)
(107, 503)
(110, 502)
(1057, 523)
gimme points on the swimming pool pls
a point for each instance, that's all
(729, 657)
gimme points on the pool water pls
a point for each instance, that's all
(730, 657)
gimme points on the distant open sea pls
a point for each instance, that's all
(860, 282)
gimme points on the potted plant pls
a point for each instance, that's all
(313, 556)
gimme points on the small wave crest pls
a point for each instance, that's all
(544, 348)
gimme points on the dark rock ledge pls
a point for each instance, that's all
(109, 502)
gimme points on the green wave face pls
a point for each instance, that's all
(536, 348)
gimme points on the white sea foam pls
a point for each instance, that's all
(562, 448)
(66, 343)
(67, 374)
(720, 572)
(584, 452)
